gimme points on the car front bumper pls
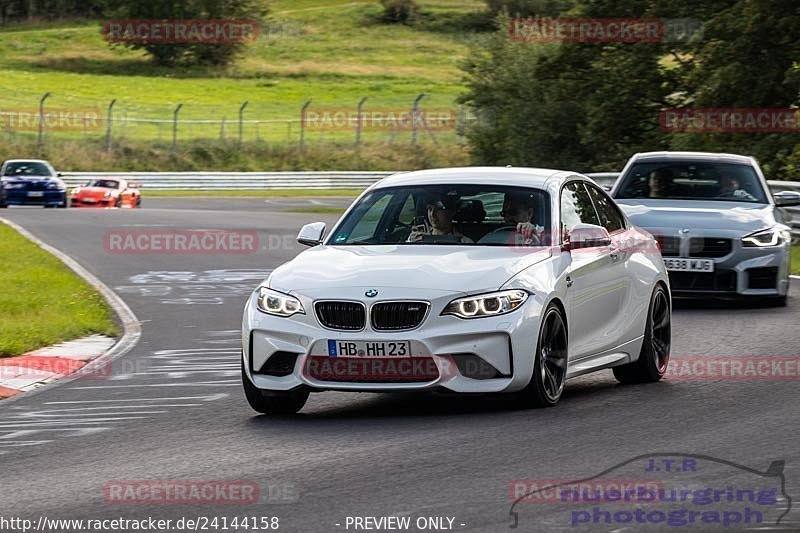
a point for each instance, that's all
(492, 354)
(23, 197)
(744, 271)
(78, 201)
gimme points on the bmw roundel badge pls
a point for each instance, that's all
(371, 293)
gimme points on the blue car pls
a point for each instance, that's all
(32, 182)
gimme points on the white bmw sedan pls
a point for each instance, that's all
(471, 280)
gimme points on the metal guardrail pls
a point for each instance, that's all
(210, 181)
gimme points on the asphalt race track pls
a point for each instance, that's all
(173, 409)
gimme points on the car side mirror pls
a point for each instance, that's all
(311, 234)
(588, 236)
(786, 198)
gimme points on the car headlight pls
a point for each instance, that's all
(74, 192)
(14, 186)
(107, 195)
(483, 305)
(767, 237)
(278, 304)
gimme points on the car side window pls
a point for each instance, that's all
(576, 208)
(610, 217)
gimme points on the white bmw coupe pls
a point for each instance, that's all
(471, 280)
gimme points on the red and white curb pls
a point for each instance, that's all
(35, 371)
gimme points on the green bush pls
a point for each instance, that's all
(399, 11)
(216, 54)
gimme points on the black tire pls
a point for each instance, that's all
(118, 203)
(778, 301)
(273, 402)
(550, 362)
(138, 202)
(654, 356)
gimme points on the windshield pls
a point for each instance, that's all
(468, 215)
(689, 180)
(108, 184)
(26, 168)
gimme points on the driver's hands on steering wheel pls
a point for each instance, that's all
(526, 229)
(531, 232)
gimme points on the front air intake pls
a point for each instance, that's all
(342, 315)
(394, 316)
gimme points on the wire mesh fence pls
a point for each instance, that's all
(48, 118)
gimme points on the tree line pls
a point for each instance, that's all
(588, 106)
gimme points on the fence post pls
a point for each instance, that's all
(241, 124)
(41, 118)
(108, 124)
(414, 116)
(358, 120)
(303, 125)
(175, 128)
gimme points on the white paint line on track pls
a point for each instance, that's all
(209, 398)
(131, 326)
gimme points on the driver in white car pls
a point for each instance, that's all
(517, 213)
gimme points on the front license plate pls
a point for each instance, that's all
(35, 194)
(339, 348)
(689, 265)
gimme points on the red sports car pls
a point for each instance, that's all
(106, 192)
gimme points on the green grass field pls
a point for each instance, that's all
(42, 302)
(332, 52)
(796, 259)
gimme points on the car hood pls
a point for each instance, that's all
(32, 180)
(696, 214)
(450, 268)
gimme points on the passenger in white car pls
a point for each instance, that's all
(440, 219)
